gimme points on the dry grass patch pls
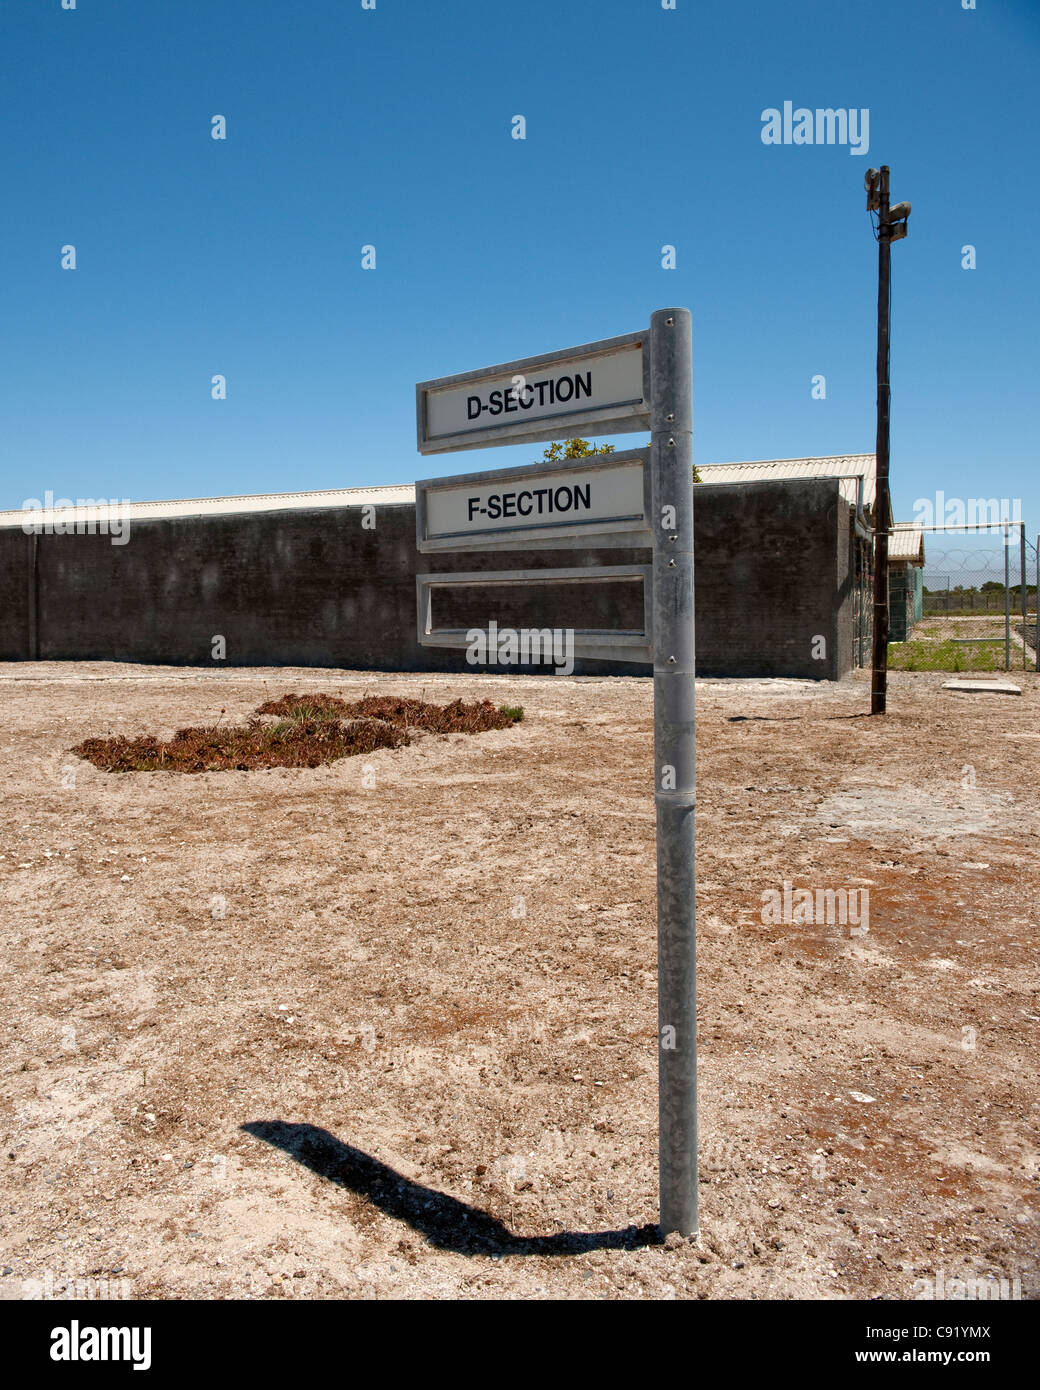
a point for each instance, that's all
(310, 730)
(454, 718)
(292, 743)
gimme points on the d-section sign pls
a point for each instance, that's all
(602, 387)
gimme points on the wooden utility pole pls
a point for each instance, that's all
(891, 227)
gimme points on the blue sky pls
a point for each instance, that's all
(392, 127)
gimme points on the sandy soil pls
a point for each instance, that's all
(387, 1028)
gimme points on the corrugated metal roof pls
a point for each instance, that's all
(849, 467)
(906, 542)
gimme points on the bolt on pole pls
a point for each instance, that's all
(671, 461)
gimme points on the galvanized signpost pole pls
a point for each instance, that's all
(671, 462)
(521, 401)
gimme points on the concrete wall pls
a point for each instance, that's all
(772, 574)
(856, 598)
(16, 598)
(844, 582)
(316, 588)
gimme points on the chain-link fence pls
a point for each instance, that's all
(1029, 632)
(972, 607)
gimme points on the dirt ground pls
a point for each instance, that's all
(387, 1028)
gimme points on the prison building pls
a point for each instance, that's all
(329, 579)
(856, 477)
(905, 580)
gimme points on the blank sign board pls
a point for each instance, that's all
(603, 501)
(602, 388)
(605, 644)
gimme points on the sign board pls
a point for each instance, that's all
(601, 644)
(600, 388)
(574, 504)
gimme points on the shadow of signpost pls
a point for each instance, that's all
(790, 718)
(444, 1221)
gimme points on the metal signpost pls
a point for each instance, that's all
(635, 382)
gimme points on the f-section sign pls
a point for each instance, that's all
(596, 501)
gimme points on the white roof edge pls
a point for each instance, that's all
(805, 458)
(388, 494)
(129, 510)
(907, 542)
